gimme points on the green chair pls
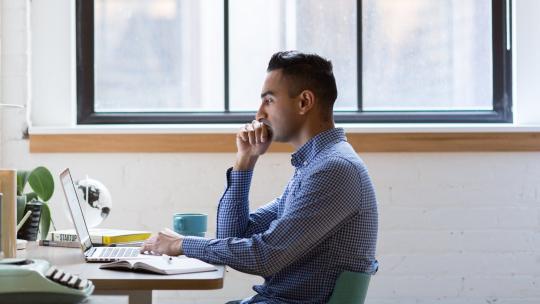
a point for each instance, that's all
(351, 288)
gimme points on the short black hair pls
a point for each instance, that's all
(307, 72)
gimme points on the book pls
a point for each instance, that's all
(77, 244)
(101, 236)
(161, 265)
(50, 243)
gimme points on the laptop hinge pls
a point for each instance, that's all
(89, 252)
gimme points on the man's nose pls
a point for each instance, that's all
(260, 113)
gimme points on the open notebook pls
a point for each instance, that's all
(161, 265)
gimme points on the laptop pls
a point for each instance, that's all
(91, 252)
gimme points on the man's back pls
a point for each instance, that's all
(324, 164)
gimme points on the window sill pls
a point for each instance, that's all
(220, 138)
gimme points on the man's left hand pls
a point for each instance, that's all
(165, 242)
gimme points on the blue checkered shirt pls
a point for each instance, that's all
(323, 224)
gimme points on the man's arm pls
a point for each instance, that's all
(331, 198)
(233, 218)
(252, 141)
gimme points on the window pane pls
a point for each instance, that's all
(259, 28)
(158, 55)
(427, 55)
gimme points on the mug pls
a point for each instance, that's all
(193, 224)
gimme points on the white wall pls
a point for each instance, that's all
(527, 60)
(455, 227)
(14, 69)
(1, 73)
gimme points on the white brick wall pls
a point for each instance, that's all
(1, 84)
(429, 253)
(15, 67)
(455, 227)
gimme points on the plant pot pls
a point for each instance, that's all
(29, 231)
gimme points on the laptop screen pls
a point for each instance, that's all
(75, 209)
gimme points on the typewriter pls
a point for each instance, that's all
(36, 281)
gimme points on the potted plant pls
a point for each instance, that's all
(41, 185)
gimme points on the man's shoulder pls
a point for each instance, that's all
(336, 164)
(340, 155)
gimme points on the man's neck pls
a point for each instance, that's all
(310, 130)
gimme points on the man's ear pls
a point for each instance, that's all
(306, 102)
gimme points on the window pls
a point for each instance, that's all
(204, 61)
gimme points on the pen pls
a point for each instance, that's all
(168, 258)
(23, 220)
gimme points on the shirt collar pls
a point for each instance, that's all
(319, 142)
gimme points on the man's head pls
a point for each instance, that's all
(307, 72)
(298, 87)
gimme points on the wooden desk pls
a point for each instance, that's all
(138, 286)
(106, 300)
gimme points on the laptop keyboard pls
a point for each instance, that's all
(119, 252)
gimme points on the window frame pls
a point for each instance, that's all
(502, 83)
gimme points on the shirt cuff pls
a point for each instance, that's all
(238, 183)
(194, 247)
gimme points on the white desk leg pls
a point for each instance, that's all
(135, 296)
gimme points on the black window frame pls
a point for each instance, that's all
(502, 83)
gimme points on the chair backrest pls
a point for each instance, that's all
(351, 288)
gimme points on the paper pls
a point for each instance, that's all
(162, 265)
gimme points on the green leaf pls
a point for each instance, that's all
(21, 205)
(42, 183)
(31, 196)
(45, 222)
(22, 179)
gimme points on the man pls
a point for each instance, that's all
(326, 220)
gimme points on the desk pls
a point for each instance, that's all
(106, 300)
(138, 286)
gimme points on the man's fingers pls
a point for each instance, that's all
(146, 247)
(244, 133)
(251, 133)
(255, 133)
(257, 126)
(252, 138)
(148, 244)
(243, 136)
(264, 133)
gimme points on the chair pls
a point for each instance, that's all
(351, 288)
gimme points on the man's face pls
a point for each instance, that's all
(278, 109)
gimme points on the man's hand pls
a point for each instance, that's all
(252, 141)
(165, 242)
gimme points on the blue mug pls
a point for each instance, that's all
(192, 224)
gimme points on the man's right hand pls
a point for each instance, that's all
(252, 141)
